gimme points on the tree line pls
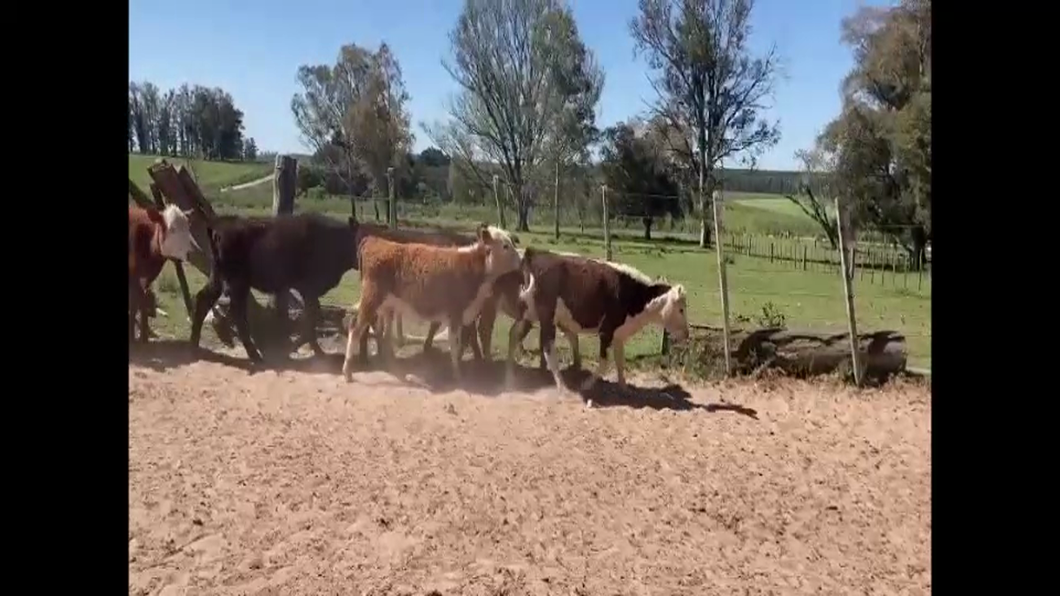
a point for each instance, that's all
(189, 121)
(529, 90)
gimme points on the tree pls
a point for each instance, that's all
(187, 121)
(709, 86)
(504, 56)
(579, 82)
(433, 157)
(881, 141)
(634, 169)
(817, 190)
(250, 149)
(353, 113)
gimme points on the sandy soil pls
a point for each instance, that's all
(293, 482)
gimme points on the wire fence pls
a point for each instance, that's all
(781, 266)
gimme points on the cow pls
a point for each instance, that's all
(586, 296)
(154, 237)
(429, 237)
(433, 283)
(307, 252)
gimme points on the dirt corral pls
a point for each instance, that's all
(295, 483)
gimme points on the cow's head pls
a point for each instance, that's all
(674, 313)
(177, 242)
(501, 255)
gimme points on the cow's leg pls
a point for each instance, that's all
(618, 351)
(383, 343)
(486, 319)
(312, 317)
(518, 331)
(134, 307)
(399, 331)
(205, 299)
(240, 295)
(607, 334)
(548, 346)
(428, 342)
(468, 338)
(371, 300)
(576, 353)
(456, 344)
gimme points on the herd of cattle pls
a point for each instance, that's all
(441, 277)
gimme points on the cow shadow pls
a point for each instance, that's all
(163, 354)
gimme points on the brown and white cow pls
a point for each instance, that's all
(432, 283)
(585, 296)
(154, 236)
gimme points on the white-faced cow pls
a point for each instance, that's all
(432, 283)
(307, 252)
(154, 237)
(586, 296)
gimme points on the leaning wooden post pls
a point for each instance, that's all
(848, 292)
(607, 222)
(181, 279)
(391, 206)
(284, 183)
(723, 278)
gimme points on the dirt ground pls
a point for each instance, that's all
(293, 482)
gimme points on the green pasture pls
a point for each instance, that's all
(211, 175)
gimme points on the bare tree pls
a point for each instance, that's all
(816, 190)
(708, 84)
(352, 114)
(503, 57)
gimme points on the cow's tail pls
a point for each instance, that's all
(528, 290)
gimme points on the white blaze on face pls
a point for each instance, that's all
(177, 243)
(503, 256)
(674, 313)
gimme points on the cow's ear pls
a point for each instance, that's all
(188, 213)
(484, 232)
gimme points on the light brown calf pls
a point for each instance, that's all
(437, 284)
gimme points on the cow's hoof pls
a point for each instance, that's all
(589, 404)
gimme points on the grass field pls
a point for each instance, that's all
(760, 289)
(211, 175)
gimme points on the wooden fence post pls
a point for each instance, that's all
(848, 293)
(723, 279)
(607, 222)
(284, 183)
(391, 206)
(555, 205)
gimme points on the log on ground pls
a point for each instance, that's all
(882, 354)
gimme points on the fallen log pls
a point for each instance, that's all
(882, 354)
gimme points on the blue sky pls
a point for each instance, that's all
(252, 48)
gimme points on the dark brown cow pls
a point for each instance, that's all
(154, 237)
(432, 283)
(583, 296)
(307, 252)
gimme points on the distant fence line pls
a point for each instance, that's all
(875, 263)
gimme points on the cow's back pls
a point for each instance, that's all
(589, 289)
(433, 280)
(307, 251)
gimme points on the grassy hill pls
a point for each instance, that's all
(211, 175)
